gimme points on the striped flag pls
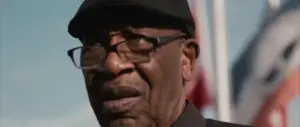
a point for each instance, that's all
(266, 77)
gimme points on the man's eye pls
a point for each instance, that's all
(140, 44)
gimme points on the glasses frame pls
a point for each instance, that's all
(156, 41)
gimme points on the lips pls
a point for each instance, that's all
(121, 105)
(119, 98)
(115, 93)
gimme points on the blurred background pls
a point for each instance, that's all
(39, 86)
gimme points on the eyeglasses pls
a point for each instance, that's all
(133, 50)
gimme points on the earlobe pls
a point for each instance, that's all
(186, 69)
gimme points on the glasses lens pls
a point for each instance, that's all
(76, 57)
(89, 56)
(136, 50)
(139, 45)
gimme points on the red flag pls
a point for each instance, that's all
(200, 95)
(275, 111)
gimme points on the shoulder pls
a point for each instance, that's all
(214, 123)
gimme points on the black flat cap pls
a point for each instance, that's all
(175, 9)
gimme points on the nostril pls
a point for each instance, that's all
(125, 71)
(103, 76)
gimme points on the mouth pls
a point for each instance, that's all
(120, 99)
(121, 104)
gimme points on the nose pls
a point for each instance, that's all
(113, 63)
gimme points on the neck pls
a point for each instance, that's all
(180, 106)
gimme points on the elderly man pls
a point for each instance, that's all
(136, 58)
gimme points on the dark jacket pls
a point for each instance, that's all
(191, 117)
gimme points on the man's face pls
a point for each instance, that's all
(139, 94)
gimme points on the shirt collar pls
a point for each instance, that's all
(191, 117)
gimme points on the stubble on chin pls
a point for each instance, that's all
(123, 122)
(129, 122)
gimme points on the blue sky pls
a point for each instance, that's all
(39, 87)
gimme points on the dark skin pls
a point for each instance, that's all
(159, 84)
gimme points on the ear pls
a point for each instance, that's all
(189, 55)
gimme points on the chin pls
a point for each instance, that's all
(137, 115)
(124, 122)
(131, 118)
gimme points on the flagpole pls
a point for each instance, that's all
(204, 37)
(219, 39)
(206, 61)
(274, 4)
(273, 7)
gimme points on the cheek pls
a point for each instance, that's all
(87, 78)
(88, 84)
(91, 85)
(164, 79)
(166, 89)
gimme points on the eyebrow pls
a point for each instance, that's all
(127, 33)
(133, 32)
